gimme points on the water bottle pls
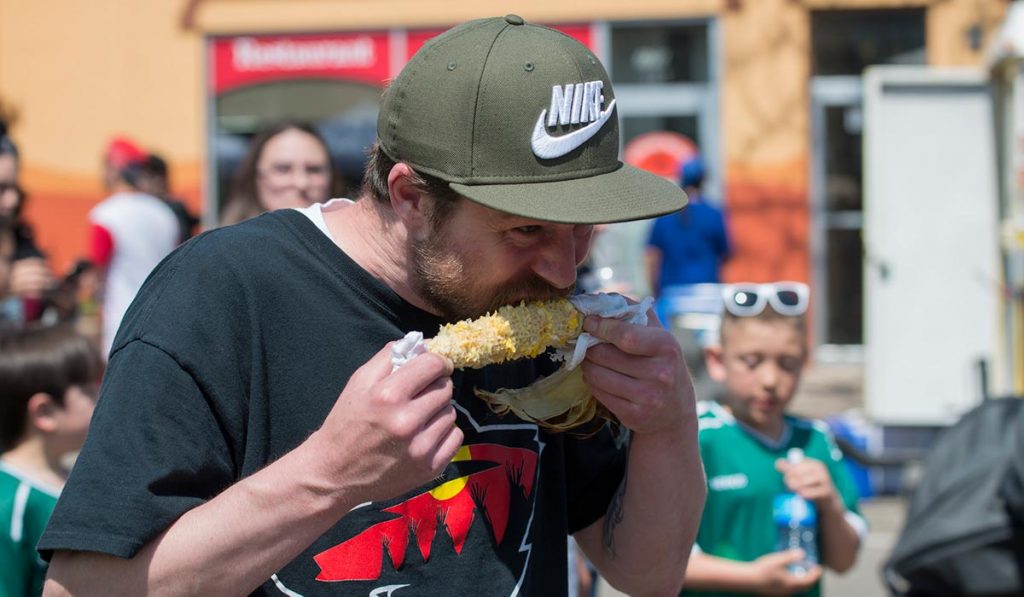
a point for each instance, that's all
(796, 520)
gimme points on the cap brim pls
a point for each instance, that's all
(624, 194)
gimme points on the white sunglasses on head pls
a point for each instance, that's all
(748, 299)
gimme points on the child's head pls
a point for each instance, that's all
(48, 380)
(762, 351)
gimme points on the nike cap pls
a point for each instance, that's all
(522, 119)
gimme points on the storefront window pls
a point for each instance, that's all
(845, 42)
(659, 54)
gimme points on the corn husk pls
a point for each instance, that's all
(559, 402)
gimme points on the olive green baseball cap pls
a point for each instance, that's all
(522, 119)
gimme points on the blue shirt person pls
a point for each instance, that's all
(688, 247)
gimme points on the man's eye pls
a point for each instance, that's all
(528, 230)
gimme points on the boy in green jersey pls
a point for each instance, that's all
(48, 382)
(744, 443)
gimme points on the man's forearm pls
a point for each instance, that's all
(229, 545)
(644, 541)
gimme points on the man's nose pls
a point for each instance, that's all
(557, 260)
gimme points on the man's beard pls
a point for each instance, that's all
(442, 277)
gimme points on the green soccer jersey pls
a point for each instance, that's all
(25, 506)
(738, 522)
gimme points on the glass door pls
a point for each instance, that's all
(837, 219)
(843, 44)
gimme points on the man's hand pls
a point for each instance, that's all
(390, 432)
(639, 374)
(810, 480)
(775, 578)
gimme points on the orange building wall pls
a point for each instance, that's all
(79, 73)
(766, 135)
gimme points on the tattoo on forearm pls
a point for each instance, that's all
(616, 511)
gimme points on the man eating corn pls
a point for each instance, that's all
(252, 435)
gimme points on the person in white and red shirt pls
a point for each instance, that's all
(130, 232)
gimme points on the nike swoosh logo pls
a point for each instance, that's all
(547, 147)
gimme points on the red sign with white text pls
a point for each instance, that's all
(250, 60)
(363, 57)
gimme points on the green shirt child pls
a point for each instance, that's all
(744, 443)
(25, 507)
(48, 381)
(739, 462)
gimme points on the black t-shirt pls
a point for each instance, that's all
(235, 351)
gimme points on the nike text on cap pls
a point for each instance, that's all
(522, 119)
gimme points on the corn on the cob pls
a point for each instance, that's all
(511, 332)
(559, 402)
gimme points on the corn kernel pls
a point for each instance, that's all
(511, 332)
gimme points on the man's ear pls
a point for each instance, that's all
(714, 363)
(42, 412)
(407, 201)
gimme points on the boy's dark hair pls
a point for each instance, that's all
(375, 185)
(47, 359)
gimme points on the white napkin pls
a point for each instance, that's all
(611, 306)
(403, 351)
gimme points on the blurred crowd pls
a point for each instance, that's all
(139, 222)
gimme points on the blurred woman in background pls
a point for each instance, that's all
(288, 165)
